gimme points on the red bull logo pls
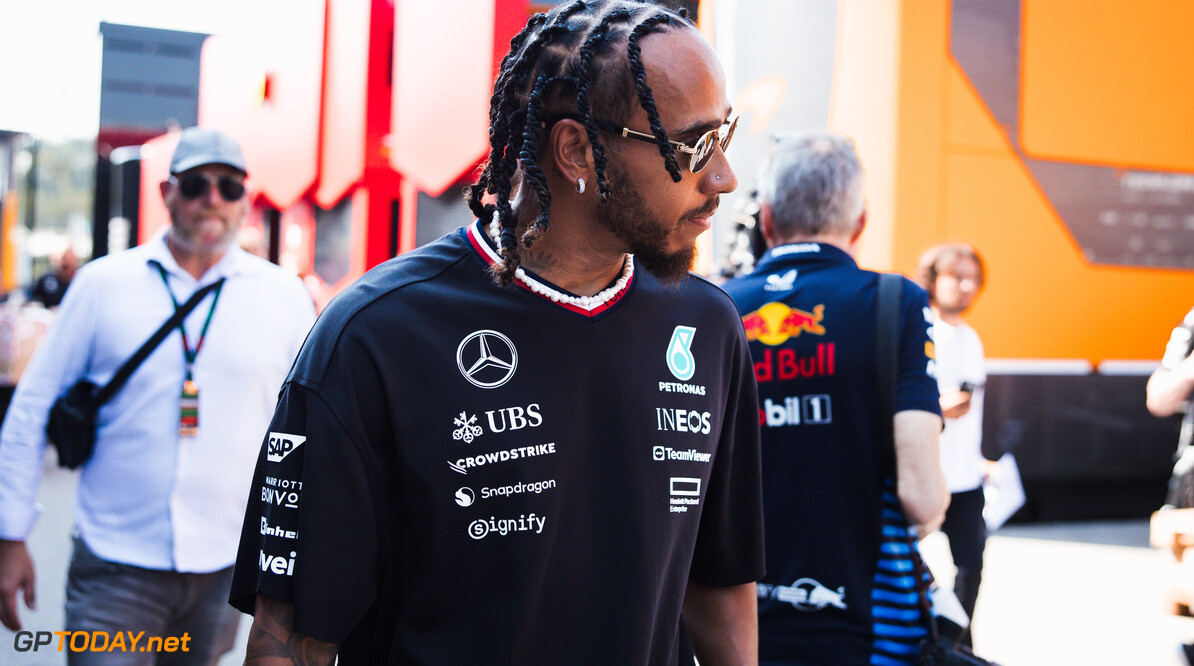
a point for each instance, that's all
(774, 323)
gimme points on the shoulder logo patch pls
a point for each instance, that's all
(282, 444)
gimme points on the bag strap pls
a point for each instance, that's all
(117, 382)
(887, 335)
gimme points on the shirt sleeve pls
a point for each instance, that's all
(916, 383)
(61, 359)
(729, 547)
(310, 533)
(1178, 346)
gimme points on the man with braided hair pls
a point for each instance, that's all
(535, 440)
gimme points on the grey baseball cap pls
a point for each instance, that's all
(199, 145)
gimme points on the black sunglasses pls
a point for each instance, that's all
(194, 186)
(699, 153)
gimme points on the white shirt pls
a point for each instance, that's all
(148, 496)
(960, 359)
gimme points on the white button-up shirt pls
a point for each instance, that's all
(148, 496)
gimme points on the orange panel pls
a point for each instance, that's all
(1108, 82)
(1042, 299)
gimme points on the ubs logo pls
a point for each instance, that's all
(487, 359)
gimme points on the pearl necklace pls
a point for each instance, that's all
(587, 302)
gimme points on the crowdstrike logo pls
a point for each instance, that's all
(462, 465)
(487, 359)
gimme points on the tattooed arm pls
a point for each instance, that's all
(272, 640)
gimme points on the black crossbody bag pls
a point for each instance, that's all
(938, 648)
(73, 416)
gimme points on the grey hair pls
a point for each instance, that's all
(812, 183)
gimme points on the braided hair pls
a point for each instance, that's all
(565, 64)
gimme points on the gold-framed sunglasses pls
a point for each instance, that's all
(699, 152)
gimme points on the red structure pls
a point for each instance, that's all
(346, 112)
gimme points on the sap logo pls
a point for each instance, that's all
(809, 410)
(682, 420)
(515, 418)
(808, 595)
(781, 282)
(277, 564)
(267, 530)
(281, 444)
(284, 498)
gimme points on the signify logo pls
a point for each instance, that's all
(527, 522)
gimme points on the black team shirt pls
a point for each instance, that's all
(462, 474)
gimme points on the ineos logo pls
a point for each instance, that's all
(487, 359)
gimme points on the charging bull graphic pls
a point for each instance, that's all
(773, 323)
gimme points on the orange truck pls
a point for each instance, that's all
(1053, 135)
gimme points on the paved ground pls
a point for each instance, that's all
(1072, 593)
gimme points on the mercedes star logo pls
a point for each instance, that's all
(487, 359)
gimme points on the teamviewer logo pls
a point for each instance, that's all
(659, 453)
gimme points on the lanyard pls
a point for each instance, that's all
(190, 354)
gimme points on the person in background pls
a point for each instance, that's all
(1169, 391)
(838, 500)
(51, 287)
(160, 501)
(953, 274)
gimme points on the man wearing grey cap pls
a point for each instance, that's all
(161, 499)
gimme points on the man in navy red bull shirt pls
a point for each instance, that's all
(837, 502)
